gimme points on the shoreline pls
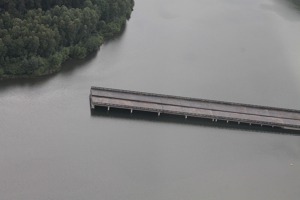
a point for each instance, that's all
(59, 68)
(13, 77)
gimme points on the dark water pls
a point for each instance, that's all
(234, 50)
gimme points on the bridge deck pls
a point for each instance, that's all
(215, 110)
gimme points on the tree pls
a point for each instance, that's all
(93, 43)
(37, 36)
(3, 49)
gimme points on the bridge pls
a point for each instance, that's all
(193, 107)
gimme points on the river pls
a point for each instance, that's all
(51, 147)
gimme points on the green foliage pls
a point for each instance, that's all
(37, 36)
(3, 49)
(296, 2)
(78, 51)
(1, 71)
(93, 43)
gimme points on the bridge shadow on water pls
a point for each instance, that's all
(152, 117)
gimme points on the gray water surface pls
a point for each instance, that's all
(244, 51)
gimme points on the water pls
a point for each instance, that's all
(235, 50)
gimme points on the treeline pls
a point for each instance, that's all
(37, 36)
(297, 2)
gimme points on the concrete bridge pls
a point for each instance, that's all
(192, 107)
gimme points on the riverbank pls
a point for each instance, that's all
(59, 68)
(36, 42)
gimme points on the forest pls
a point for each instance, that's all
(37, 36)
